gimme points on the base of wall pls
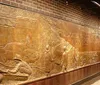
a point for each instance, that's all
(75, 77)
(87, 79)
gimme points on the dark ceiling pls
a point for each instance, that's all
(91, 6)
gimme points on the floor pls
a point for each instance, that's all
(94, 81)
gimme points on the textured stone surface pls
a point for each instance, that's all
(46, 44)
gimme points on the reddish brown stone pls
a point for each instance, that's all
(6, 2)
(19, 1)
(14, 4)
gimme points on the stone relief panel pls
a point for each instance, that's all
(35, 46)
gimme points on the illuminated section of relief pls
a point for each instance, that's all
(34, 46)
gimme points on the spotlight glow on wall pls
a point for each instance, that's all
(96, 3)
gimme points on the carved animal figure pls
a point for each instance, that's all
(1, 77)
(21, 66)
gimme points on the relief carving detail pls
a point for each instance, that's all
(35, 46)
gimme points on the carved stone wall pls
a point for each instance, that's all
(43, 45)
(58, 9)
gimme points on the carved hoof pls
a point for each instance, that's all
(1, 77)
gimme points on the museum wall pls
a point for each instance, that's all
(33, 45)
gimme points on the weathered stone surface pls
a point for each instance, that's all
(47, 45)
